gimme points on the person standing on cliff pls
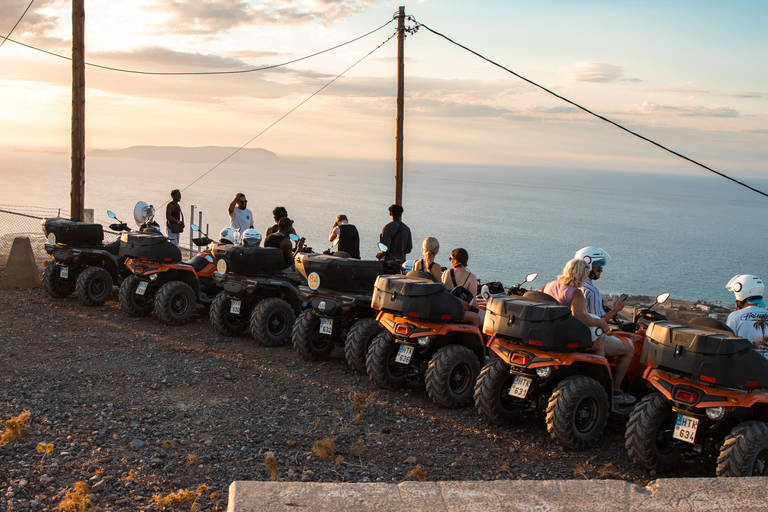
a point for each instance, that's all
(174, 219)
(396, 236)
(349, 238)
(240, 217)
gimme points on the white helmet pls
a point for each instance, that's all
(250, 238)
(745, 286)
(228, 235)
(592, 255)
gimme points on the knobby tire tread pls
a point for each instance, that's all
(641, 437)
(83, 286)
(377, 362)
(165, 297)
(260, 322)
(741, 446)
(359, 341)
(218, 316)
(438, 376)
(305, 327)
(51, 280)
(126, 295)
(562, 408)
(488, 393)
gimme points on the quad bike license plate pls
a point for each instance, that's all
(234, 306)
(685, 428)
(520, 386)
(326, 326)
(64, 272)
(142, 288)
(404, 354)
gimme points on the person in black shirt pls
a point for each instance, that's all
(278, 213)
(396, 236)
(349, 239)
(174, 219)
(280, 240)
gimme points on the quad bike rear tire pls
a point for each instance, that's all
(745, 451)
(306, 337)
(55, 285)
(359, 341)
(175, 303)
(492, 399)
(648, 438)
(226, 322)
(451, 376)
(272, 322)
(94, 286)
(133, 304)
(577, 412)
(380, 363)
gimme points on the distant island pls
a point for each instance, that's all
(208, 154)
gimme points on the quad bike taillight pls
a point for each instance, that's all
(520, 359)
(686, 396)
(403, 329)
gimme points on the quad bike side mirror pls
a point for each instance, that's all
(530, 277)
(382, 247)
(195, 227)
(111, 214)
(294, 237)
(661, 299)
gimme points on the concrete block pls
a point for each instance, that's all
(21, 270)
(88, 215)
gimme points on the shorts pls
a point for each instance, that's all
(613, 346)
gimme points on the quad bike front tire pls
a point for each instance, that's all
(359, 341)
(272, 322)
(133, 304)
(648, 438)
(451, 376)
(577, 412)
(745, 451)
(306, 337)
(94, 286)
(380, 363)
(53, 283)
(492, 399)
(175, 303)
(226, 322)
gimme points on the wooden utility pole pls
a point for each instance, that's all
(400, 105)
(77, 194)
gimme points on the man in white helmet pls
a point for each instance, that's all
(750, 320)
(593, 302)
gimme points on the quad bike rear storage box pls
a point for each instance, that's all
(345, 274)
(417, 298)
(709, 355)
(248, 261)
(543, 324)
(149, 247)
(69, 232)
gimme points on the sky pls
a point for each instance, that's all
(690, 75)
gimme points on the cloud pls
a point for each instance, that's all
(597, 72)
(35, 28)
(650, 107)
(745, 95)
(681, 89)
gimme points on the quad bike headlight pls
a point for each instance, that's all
(715, 413)
(423, 341)
(153, 277)
(544, 372)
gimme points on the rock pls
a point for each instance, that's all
(136, 444)
(410, 460)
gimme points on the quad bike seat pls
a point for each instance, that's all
(711, 323)
(198, 263)
(113, 248)
(536, 295)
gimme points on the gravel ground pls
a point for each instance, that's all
(138, 409)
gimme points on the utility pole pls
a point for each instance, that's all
(77, 194)
(400, 105)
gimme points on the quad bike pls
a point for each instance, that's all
(710, 400)
(81, 262)
(423, 335)
(257, 293)
(339, 290)
(543, 364)
(160, 281)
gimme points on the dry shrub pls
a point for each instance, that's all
(608, 473)
(357, 448)
(271, 462)
(168, 445)
(15, 428)
(319, 422)
(178, 498)
(77, 499)
(358, 418)
(191, 460)
(45, 449)
(363, 401)
(324, 448)
(418, 473)
(130, 477)
(580, 473)
(505, 468)
(339, 460)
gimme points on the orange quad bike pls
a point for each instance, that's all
(710, 400)
(161, 281)
(423, 336)
(542, 364)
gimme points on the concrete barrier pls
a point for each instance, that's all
(21, 270)
(677, 494)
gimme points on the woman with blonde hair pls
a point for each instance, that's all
(427, 264)
(566, 290)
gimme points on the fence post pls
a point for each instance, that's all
(88, 215)
(191, 221)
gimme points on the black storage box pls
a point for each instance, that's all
(149, 247)
(69, 232)
(249, 261)
(705, 354)
(336, 273)
(417, 298)
(539, 323)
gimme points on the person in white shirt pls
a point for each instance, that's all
(750, 320)
(240, 217)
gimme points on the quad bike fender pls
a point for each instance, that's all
(709, 396)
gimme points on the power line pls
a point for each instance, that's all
(592, 113)
(17, 24)
(184, 73)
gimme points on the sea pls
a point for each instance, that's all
(682, 234)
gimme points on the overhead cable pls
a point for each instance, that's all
(594, 114)
(184, 73)
(17, 24)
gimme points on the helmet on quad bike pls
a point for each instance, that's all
(228, 235)
(593, 256)
(746, 286)
(250, 238)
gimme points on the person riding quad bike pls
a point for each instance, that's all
(81, 262)
(711, 393)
